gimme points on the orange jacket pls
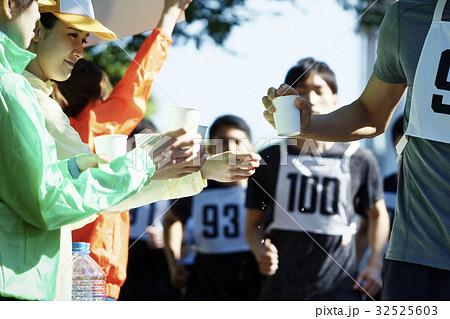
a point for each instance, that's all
(120, 113)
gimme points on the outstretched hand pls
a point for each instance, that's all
(176, 154)
(300, 103)
(230, 166)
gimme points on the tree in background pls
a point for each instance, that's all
(205, 20)
(214, 20)
(370, 11)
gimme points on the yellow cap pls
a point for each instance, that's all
(78, 14)
(46, 3)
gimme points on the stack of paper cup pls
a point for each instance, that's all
(286, 116)
(183, 117)
(113, 146)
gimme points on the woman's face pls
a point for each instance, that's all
(22, 25)
(58, 49)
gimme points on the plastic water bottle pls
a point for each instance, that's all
(88, 279)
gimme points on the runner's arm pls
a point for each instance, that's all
(366, 117)
(378, 234)
(173, 238)
(264, 251)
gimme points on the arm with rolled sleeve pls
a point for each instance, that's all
(189, 185)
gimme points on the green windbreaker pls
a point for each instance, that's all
(37, 192)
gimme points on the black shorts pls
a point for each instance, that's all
(148, 275)
(407, 281)
(225, 277)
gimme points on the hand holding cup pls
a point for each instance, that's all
(230, 166)
(176, 153)
(301, 104)
(112, 146)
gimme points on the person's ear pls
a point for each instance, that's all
(38, 32)
(7, 7)
(335, 99)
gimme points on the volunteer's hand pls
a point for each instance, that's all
(230, 167)
(300, 103)
(176, 154)
(268, 259)
(86, 161)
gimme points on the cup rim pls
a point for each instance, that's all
(284, 96)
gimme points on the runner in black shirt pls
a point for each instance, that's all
(306, 193)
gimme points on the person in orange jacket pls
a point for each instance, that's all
(83, 97)
(120, 113)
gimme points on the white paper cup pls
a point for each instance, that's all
(183, 116)
(286, 116)
(113, 146)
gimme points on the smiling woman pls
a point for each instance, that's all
(59, 39)
(58, 47)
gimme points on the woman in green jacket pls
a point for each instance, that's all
(38, 193)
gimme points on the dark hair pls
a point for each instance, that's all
(229, 121)
(22, 5)
(305, 67)
(48, 20)
(397, 129)
(86, 84)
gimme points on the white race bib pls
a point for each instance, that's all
(148, 215)
(313, 198)
(219, 220)
(430, 103)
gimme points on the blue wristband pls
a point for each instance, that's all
(73, 168)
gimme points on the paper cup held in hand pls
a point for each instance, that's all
(183, 117)
(286, 116)
(113, 146)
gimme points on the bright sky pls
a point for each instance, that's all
(220, 82)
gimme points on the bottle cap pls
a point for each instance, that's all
(80, 246)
